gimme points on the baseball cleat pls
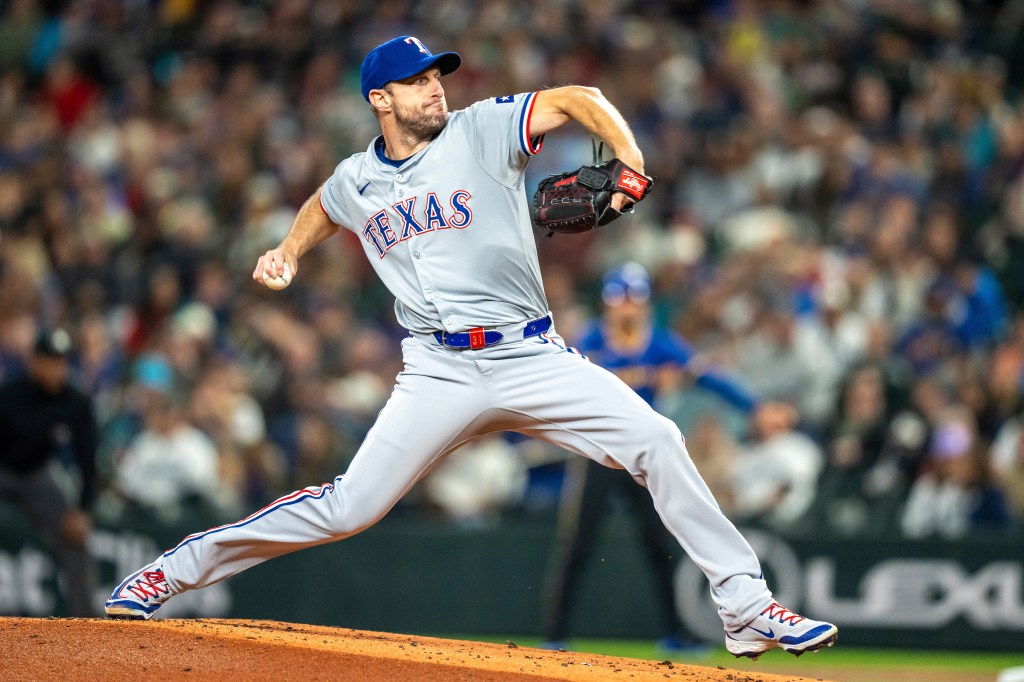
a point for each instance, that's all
(779, 627)
(140, 594)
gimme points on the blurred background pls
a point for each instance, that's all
(838, 224)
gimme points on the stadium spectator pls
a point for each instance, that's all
(477, 482)
(955, 494)
(874, 449)
(170, 463)
(775, 476)
(251, 469)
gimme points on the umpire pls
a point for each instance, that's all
(42, 417)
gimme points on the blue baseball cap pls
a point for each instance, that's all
(400, 58)
(629, 280)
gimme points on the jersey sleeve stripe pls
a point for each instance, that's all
(528, 145)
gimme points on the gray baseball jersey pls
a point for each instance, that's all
(448, 231)
(456, 249)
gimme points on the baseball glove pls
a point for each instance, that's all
(580, 200)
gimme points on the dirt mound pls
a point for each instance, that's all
(223, 650)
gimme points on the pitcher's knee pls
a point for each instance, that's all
(351, 523)
(657, 437)
(351, 514)
(662, 435)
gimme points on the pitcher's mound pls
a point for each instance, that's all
(227, 650)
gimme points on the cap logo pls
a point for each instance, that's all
(416, 41)
(399, 58)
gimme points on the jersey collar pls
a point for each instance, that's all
(378, 148)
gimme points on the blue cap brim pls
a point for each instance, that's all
(447, 62)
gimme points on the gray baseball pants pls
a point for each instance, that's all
(444, 398)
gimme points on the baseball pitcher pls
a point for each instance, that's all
(438, 203)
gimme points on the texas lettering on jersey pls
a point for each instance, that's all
(415, 216)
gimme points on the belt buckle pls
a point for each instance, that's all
(476, 338)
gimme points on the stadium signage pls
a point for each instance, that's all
(866, 588)
(922, 593)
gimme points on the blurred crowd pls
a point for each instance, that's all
(838, 222)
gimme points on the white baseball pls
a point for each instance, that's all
(279, 282)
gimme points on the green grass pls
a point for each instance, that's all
(839, 657)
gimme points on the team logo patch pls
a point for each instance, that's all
(504, 99)
(632, 183)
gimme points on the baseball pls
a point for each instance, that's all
(279, 282)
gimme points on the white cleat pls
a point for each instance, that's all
(140, 594)
(778, 627)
